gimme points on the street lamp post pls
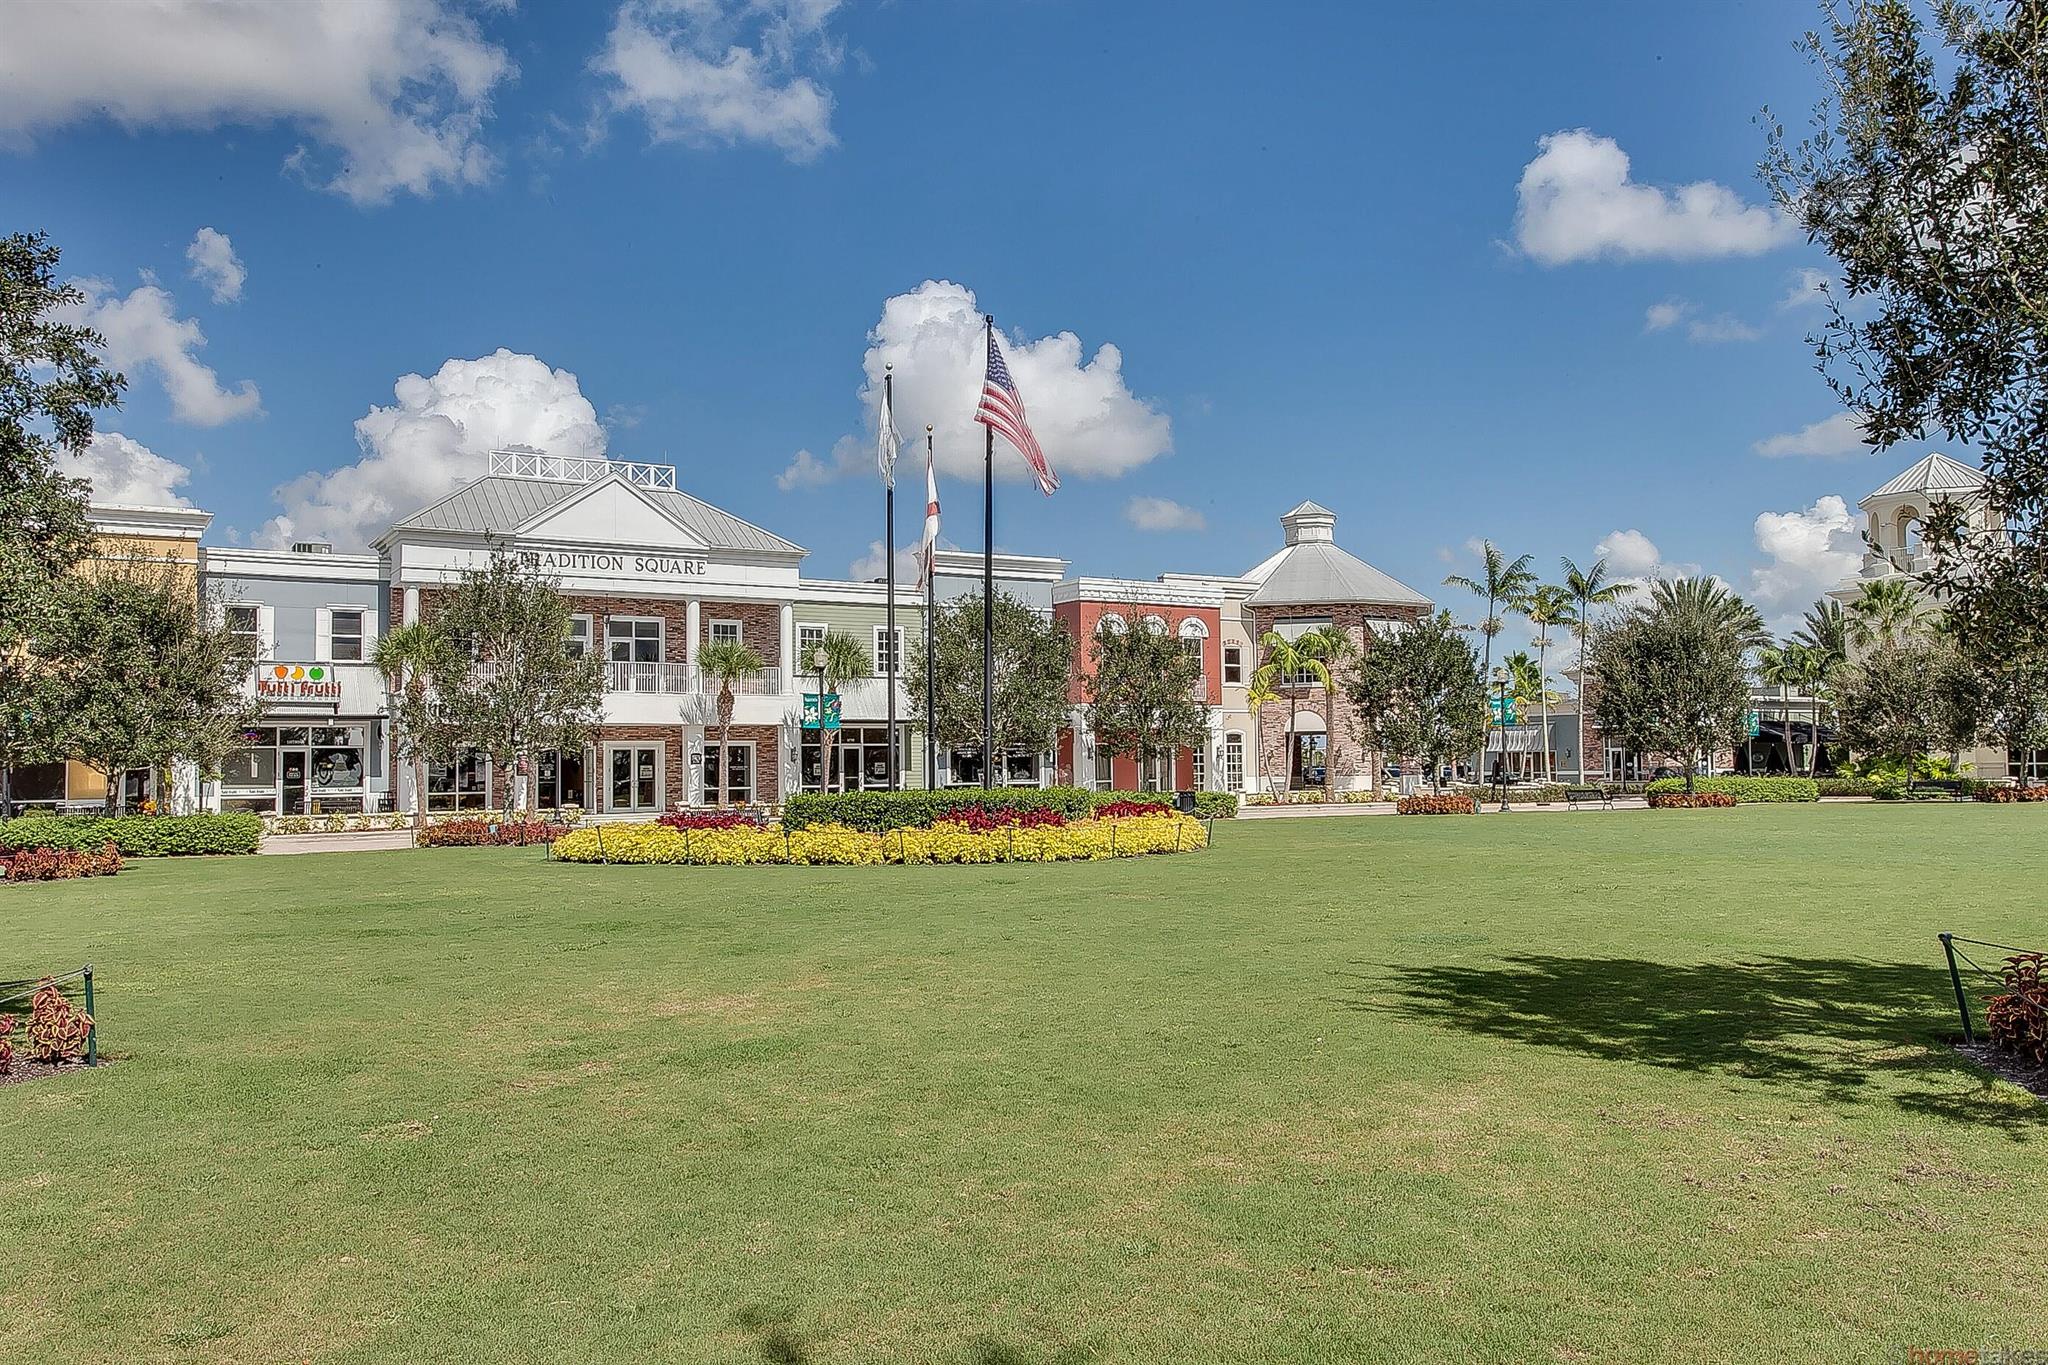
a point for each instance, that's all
(1500, 765)
(818, 661)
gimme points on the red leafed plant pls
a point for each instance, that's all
(6, 1043)
(1689, 800)
(1125, 810)
(1433, 803)
(709, 819)
(57, 1029)
(2010, 794)
(490, 833)
(60, 864)
(980, 819)
(2019, 1018)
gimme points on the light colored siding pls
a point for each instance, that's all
(861, 622)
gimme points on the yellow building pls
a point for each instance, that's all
(168, 535)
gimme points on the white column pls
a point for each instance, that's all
(692, 627)
(412, 607)
(789, 660)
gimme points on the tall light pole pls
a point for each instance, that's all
(818, 660)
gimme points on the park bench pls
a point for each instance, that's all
(1574, 795)
(1956, 791)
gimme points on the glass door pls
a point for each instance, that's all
(291, 776)
(635, 771)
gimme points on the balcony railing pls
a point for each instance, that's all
(673, 679)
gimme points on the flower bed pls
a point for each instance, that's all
(1435, 803)
(2005, 795)
(376, 821)
(136, 836)
(944, 842)
(60, 864)
(710, 819)
(876, 811)
(490, 833)
(1697, 800)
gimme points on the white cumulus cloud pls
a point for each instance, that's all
(1085, 416)
(392, 95)
(144, 333)
(1722, 328)
(215, 265)
(1808, 289)
(722, 72)
(123, 470)
(1832, 438)
(1806, 552)
(435, 438)
(1660, 317)
(1163, 514)
(1577, 201)
(1630, 553)
(871, 566)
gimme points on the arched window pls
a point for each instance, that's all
(1193, 629)
(1111, 623)
(1155, 623)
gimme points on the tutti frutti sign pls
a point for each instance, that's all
(297, 682)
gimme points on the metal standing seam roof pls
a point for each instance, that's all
(499, 504)
(1937, 473)
(1317, 571)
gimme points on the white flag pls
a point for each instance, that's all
(887, 442)
(931, 519)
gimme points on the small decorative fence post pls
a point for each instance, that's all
(1955, 979)
(92, 1032)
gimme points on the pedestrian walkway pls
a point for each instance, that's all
(359, 841)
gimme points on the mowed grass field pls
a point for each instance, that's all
(1617, 1086)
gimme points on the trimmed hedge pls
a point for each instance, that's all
(1427, 803)
(874, 812)
(1747, 791)
(1697, 800)
(136, 836)
(492, 833)
(59, 864)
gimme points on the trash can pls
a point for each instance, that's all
(1185, 801)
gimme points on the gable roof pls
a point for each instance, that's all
(500, 504)
(1317, 571)
(1937, 473)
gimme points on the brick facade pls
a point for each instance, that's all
(760, 626)
(1350, 764)
(673, 615)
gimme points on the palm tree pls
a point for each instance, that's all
(1889, 612)
(1826, 629)
(1589, 588)
(410, 658)
(1776, 666)
(1287, 663)
(1329, 646)
(1549, 605)
(844, 659)
(1529, 688)
(1711, 601)
(1256, 695)
(1809, 668)
(1503, 583)
(726, 662)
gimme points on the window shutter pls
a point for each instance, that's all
(266, 631)
(323, 634)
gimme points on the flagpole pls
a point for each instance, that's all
(931, 718)
(889, 557)
(988, 590)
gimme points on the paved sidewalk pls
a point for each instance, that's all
(364, 841)
(1305, 810)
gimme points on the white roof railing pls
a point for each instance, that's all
(538, 464)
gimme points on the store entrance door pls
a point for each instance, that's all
(291, 776)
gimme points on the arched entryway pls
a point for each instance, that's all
(1308, 750)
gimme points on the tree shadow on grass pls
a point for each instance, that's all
(1842, 1030)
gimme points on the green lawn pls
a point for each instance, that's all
(1604, 1086)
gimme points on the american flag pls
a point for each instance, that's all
(1002, 410)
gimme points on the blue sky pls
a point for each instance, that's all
(1298, 228)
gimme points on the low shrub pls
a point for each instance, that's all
(1434, 803)
(1684, 800)
(2018, 1019)
(1844, 786)
(490, 833)
(710, 819)
(1745, 791)
(136, 836)
(945, 842)
(57, 1029)
(2011, 794)
(875, 811)
(60, 864)
(1540, 793)
(6, 1044)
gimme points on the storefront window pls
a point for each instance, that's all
(734, 781)
(558, 780)
(461, 785)
(36, 784)
(297, 770)
(860, 754)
